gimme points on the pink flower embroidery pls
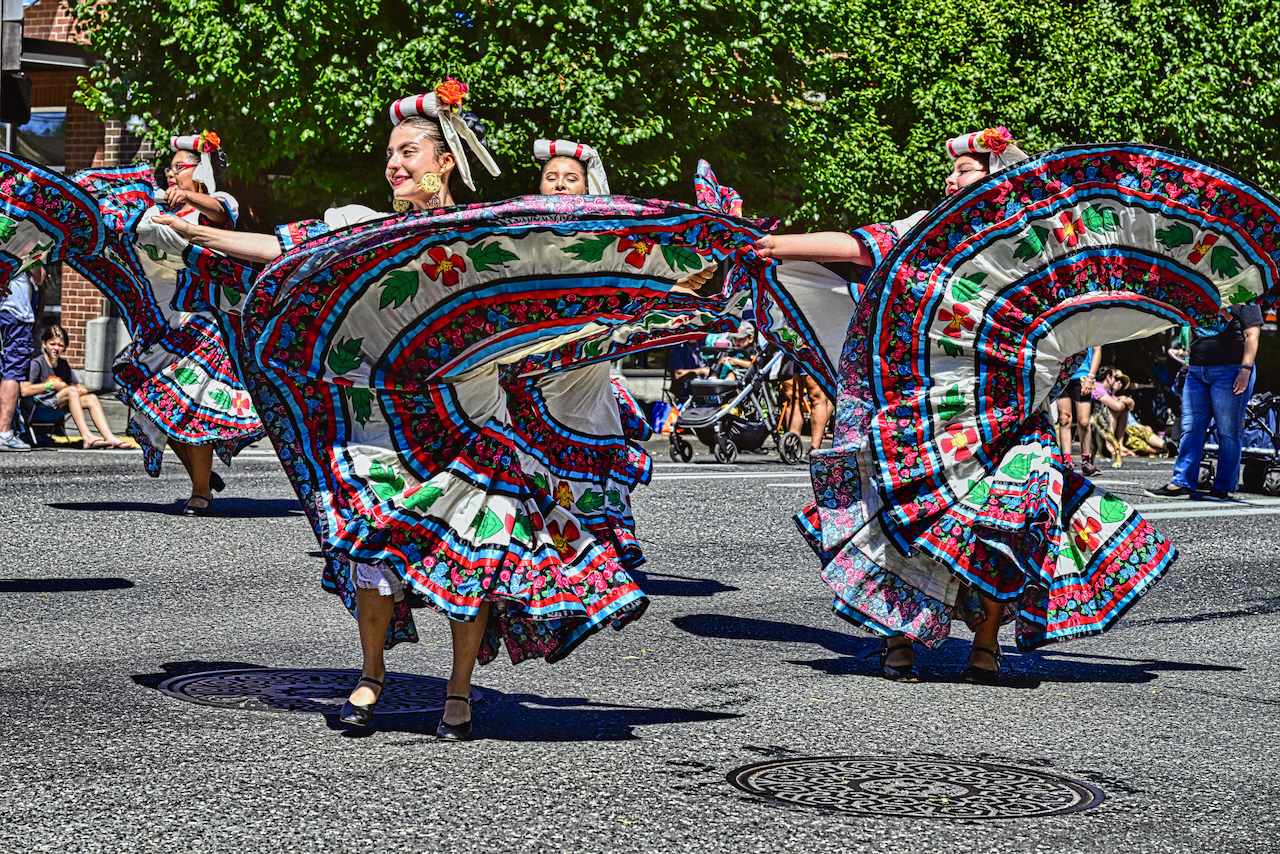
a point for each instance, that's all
(959, 441)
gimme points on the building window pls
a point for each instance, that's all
(43, 140)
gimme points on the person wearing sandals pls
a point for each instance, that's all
(946, 495)
(53, 383)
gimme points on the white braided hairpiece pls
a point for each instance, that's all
(996, 142)
(597, 181)
(453, 127)
(204, 167)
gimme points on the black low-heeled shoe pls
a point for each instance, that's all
(360, 715)
(893, 672)
(455, 732)
(188, 510)
(216, 483)
(980, 675)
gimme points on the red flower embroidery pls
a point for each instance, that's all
(956, 322)
(638, 250)
(1085, 539)
(563, 495)
(563, 539)
(959, 441)
(1071, 230)
(1201, 248)
(446, 266)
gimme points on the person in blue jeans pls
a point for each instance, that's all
(1220, 376)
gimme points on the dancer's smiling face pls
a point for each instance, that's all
(181, 171)
(412, 153)
(964, 171)
(564, 176)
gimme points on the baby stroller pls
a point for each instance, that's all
(1260, 451)
(729, 416)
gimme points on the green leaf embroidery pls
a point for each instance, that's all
(1099, 219)
(1019, 467)
(345, 356)
(361, 403)
(423, 498)
(593, 348)
(186, 376)
(489, 256)
(540, 481)
(8, 228)
(1178, 234)
(590, 501)
(1222, 261)
(1076, 557)
(978, 494)
(1113, 509)
(591, 249)
(1242, 295)
(486, 524)
(155, 254)
(521, 530)
(615, 499)
(681, 258)
(967, 287)
(386, 482)
(949, 348)
(220, 397)
(952, 403)
(1033, 244)
(232, 295)
(400, 286)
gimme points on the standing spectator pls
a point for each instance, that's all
(52, 382)
(17, 348)
(1219, 381)
(1078, 395)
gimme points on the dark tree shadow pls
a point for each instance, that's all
(62, 585)
(1025, 669)
(499, 716)
(662, 584)
(235, 508)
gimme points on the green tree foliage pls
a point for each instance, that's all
(302, 89)
(829, 112)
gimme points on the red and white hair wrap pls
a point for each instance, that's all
(453, 127)
(996, 142)
(195, 143)
(597, 181)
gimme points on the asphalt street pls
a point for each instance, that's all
(625, 746)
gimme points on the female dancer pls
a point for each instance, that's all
(946, 494)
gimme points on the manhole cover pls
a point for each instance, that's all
(322, 691)
(916, 788)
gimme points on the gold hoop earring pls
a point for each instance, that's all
(430, 183)
(401, 205)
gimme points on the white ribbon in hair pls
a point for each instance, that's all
(974, 143)
(597, 183)
(453, 127)
(204, 166)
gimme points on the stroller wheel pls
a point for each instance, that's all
(789, 448)
(1271, 483)
(1206, 475)
(726, 450)
(681, 451)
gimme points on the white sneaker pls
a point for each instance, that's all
(13, 443)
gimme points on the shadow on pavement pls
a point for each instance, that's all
(238, 508)
(661, 584)
(1264, 606)
(1026, 670)
(529, 717)
(62, 585)
(499, 716)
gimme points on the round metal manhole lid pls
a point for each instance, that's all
(315, 691)
(916, 788)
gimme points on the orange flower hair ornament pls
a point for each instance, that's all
(997, 142)
(443, 105)
(202, 144)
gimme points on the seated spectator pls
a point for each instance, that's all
(1131, 437)
(52, 383)
(686, 363)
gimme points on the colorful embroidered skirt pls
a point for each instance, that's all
(946, 480)
(381, 349)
